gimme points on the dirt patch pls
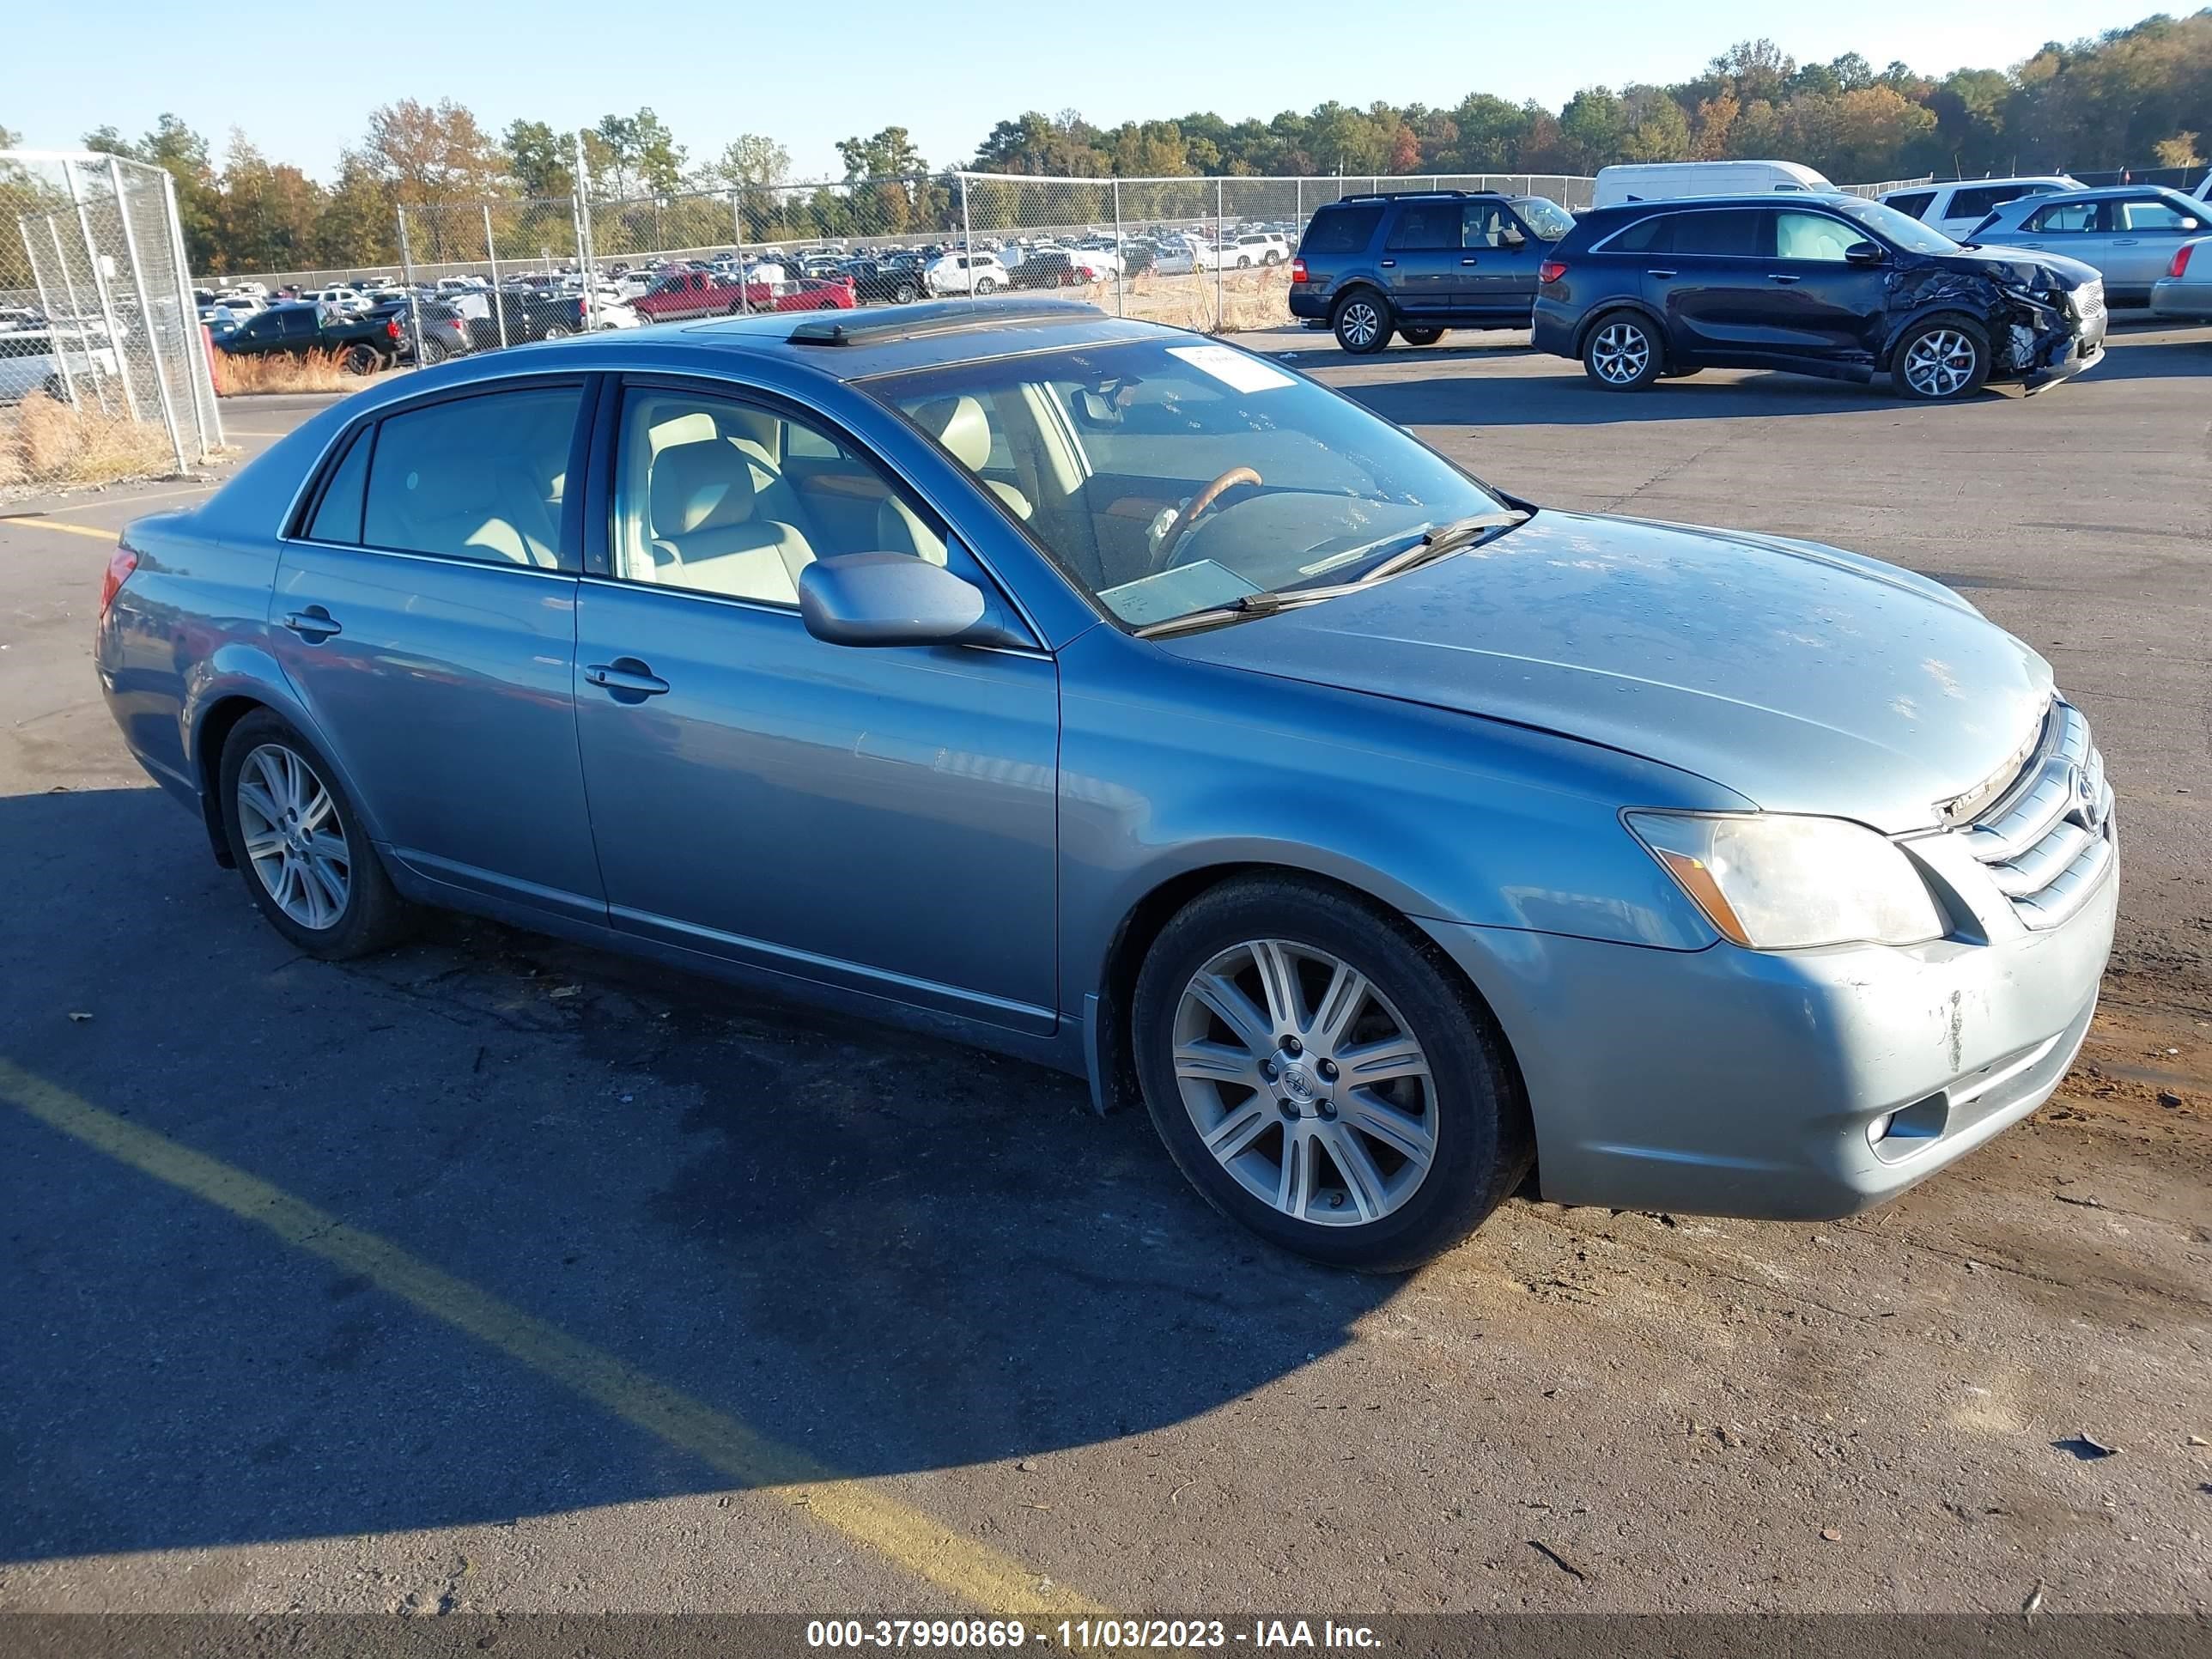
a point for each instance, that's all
(45, 443)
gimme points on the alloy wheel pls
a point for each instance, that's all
(294, 837)
(1360, 323)
(1940, 363)
(1303, 1082)
(1622, 353)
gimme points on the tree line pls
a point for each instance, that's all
(2141, 95)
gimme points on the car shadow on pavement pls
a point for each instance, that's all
(1568, 398)
(889, 1252)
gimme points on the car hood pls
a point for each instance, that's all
(1802, 678)
(2019, 267)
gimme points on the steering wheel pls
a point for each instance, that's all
(1199, 503)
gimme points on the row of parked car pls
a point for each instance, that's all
(1688, 266)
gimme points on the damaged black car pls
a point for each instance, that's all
(1828, 285)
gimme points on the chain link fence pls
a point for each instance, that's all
(104, 371)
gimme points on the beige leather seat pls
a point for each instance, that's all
(472, 512)
(961, 425)
(707, 532)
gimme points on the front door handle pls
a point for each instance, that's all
(625, 676)
(1387, 263)
(1662, 274)
(1467, 262)
(2126, 241)
(313, 624)
(1782, 277)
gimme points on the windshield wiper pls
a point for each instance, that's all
(1444, 539)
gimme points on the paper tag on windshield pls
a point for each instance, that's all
(1231, 368)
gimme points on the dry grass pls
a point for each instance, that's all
(43, 443)
(1251, 298)
(319, 371)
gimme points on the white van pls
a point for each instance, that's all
(1664, 181)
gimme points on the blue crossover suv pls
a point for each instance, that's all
(1108, 695)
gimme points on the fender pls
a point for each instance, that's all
(243, 668)
(1642, 308)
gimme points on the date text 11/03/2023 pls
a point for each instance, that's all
(1088, 1635)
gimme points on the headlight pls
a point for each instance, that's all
(1775, 883)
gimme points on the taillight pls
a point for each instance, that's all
(1297, 271)
(2180, 268)
(391, 327)
(1551, 270)
(120, 564)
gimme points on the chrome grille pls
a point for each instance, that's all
(2089, 299)
(2047, 839)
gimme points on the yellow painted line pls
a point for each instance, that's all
(922, 1545)
(35, 523)
(240, 432)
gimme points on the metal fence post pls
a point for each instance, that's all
(1220, 257)
(146, 313)
(99, 287)
(1301, 217)
(414, 298)
(47, 306)
(77, 311)
(967, 237)
(584, 237)
(205, 414)
(1120, 254)
(491, 258)
(738, 249)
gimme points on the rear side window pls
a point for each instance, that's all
(1653, 235)
(1342, 229)
(1425, 227)
(338, 518)
(1718, 231)
(1986, 198)
(474, 478)
(1914, 203)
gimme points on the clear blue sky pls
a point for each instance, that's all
(809, 74)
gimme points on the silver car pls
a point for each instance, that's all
(1108, 695)
(2127, 232)
(2184, 294)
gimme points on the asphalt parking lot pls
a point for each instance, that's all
(496, 1273)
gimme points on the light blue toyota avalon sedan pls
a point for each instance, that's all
(1104, 694)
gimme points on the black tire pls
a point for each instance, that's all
(1362, 322)
(904, 294)
(1420, 337)
(985, 285)
(360, 360)
(1273, 258)
(1484, 1143)
(1623, 351)
(433, 353)
(373, 914)
(1939, 360)
(554, 332)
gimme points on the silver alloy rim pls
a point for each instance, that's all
(1304, 1084)
(293, 838)
(1360, 324)
(1941, 363)
(1622, 353)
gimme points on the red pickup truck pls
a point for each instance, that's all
(683, 294)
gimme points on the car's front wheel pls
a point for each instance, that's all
(1942, 358)
(903, 295)
(1362, 323)
(1621, 353)
(301, 847)
(1319, 1074)
(985, 285)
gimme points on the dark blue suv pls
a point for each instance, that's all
(1416, 265)
(1828, 285)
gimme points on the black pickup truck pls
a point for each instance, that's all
(359, 345)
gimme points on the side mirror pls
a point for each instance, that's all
(1864, 253)
(896, 598)
(1509, 237)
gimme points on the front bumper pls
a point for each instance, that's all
(1735, 1082)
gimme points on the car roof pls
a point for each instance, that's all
(2100, 192)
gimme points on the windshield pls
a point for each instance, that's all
(1168, 478)
(1901, 229)
(1548, 219)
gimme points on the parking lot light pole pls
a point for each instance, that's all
(99, 287)
(414, 298)
(1220, 257)
(967, 236)
(738, 226)
(491, 258)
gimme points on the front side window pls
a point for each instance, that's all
(1100, 455)
(474, 478)
(1487, 224)
(716, 496)
(1812, 236)
(2158, 216)
(1546, 218)
(1914, 203)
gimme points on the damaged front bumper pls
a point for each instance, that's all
(2049, 343)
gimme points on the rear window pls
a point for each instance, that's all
(1654, 235)
(1343, 229)
(1984, 199)
(1914, 202)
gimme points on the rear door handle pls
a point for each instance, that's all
(1782, 277)
(625, 675)
(1386, 264)
(1467, 262)
(313, 624)
(1661, 273)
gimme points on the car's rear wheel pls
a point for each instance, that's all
(556, 331)
(1362, 322)
(1320, 1075)
(985, 285)
(903, 295)
(434, 352)
(360, 360)
(1940, 359)
(301, 847)
(1621, 353)
(1420, 337)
